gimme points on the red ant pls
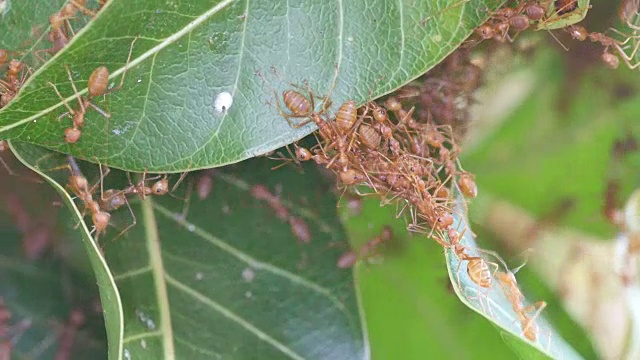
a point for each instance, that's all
(580, 33)
(97, 86)
(261, 192)
(367, 250)
(14, 78)
(204, 184)
(79, 186)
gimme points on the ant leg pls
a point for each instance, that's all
(75, 90)
(101, 181)
(285, 159)
(627, 58)
(63, 99)
(83, 9)
(133, 220)
(126, 67)
(96, 108)
(326, 102)
(187, 201)
(180, 180)
(537, 307)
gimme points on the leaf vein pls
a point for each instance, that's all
(153, 51)
(251, 261)
(233, 316)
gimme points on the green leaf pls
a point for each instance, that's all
(227, 277)
(24, 24)
(558, 18)
(410, 311)
(493, 304)
(40, 295)
(163, 119)
(110, 299)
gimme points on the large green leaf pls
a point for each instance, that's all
(23, 24)
(230, 279)
(188, 53)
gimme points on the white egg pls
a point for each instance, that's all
(223, 102)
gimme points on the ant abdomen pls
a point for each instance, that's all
(296, 102)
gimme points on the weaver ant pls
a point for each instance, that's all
(9, 86)
(367, 250)
(97, 86)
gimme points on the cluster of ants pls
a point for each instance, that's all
(507, 22)
(60, 33)
(385, 151)
(111, 199)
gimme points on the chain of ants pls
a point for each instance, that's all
(507, 22)
(385, 151)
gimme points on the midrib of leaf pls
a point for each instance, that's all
(340, 38)
(251, 261)
(159, 277)
(401, 12)
(168, 41)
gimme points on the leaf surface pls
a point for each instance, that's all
(188, 53)
(225, 276)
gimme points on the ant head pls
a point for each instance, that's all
(72, 135)
(610, 60)
(56, 21)
(347, 260)
(380, 114)
(100, 220)
(350, 177)
(485, 31)
(393, 104)
(15, 66)
(444, 221)
(578, 32)
(303, 154)
(161, 187)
